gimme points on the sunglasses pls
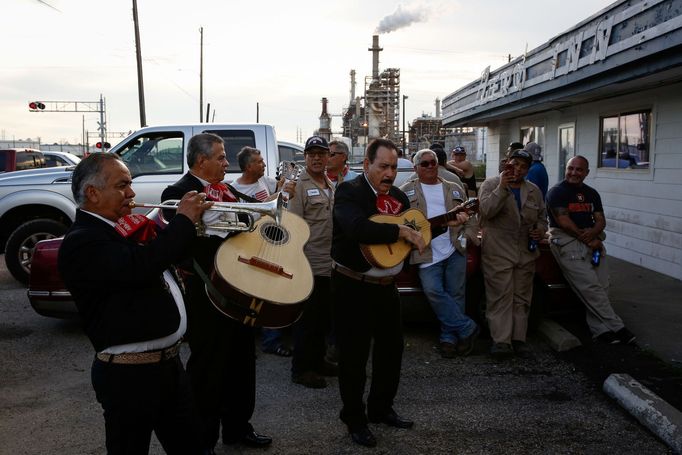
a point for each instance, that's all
(430, 163)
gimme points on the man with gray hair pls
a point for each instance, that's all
(222, 364)
(442, 265)
(337, 167)
(116, 266)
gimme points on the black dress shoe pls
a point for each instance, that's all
(363, 436)
(392, 419)
(251, 439)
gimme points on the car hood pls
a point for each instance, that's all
(47, 175)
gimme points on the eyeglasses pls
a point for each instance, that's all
(430, 163)
(333, 154)
(317, 153)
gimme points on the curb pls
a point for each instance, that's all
(648, 408)
(559, 338)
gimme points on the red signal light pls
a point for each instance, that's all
(36, 105)
(98, 145)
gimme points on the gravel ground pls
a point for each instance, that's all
(468, 405)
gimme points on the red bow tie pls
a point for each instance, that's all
(219, 192)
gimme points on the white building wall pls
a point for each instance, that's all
(643, 207)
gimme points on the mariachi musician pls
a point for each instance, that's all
(365, 300)
(222, 366)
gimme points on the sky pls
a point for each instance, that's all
(283, 55)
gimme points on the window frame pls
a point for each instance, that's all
(601, 153)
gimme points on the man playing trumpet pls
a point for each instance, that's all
(116, 267)
(222, 364)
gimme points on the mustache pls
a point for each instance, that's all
(389, 181)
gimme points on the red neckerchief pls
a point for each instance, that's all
(388, 205)
(335, 176)
(219, 192)
(137, 227)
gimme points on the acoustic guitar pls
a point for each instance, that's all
(262, 277)
(387, 255)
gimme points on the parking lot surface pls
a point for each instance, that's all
(469, 405)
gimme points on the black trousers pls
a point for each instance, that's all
(311, 329)
(221, 367)
(364, 312)
(139, 399)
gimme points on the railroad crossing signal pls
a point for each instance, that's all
(103, 145)
(35, 106)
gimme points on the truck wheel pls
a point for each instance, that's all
(21, 243)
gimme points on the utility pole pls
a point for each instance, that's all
(140, 81)
(404, 144)
(201, 74)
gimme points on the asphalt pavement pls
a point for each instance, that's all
(650, 305)
(465, 405)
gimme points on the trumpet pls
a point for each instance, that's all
(224, 222)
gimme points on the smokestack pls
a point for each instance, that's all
(375, 56)
(352, 86)
(325, 122)
(438, 113)
(357, 107)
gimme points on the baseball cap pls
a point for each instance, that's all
(515, 146)
(316, 141)
(524, 155)
(459, 150)
(535, 150)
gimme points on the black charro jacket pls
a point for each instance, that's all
(354, 203)
(117, 285)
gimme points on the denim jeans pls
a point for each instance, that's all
(271, 339)
(444, 285)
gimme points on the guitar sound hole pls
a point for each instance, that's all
(274, 234)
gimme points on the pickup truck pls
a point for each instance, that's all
(20, 159)
(37, 204)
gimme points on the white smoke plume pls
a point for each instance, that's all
(402, 17)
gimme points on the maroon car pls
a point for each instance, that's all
(49, 297)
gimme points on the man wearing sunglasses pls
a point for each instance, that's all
(442, 265)
(337, 167)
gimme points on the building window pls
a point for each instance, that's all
(625, 141)
(566, 146)
(533, 134)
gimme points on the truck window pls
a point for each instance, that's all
(29, 160)
(287, 153)
(235, 140)
(3, 160)
(158, 153)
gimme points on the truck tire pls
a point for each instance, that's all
(20, 245)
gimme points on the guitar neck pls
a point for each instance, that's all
(440, 220)
(470, 206)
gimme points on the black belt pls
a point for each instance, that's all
(381, 280)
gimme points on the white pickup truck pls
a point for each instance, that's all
(37, 204)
